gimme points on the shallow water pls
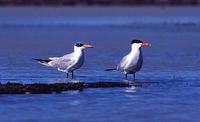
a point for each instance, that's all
(170, 79)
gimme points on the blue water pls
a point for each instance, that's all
(170, 82)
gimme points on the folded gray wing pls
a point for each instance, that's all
(122, 63)
(67, 56)
(63, 62)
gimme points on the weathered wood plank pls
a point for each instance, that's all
(41, 88)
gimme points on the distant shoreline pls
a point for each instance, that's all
(97, 2)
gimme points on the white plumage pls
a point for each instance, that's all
(132, 62)
(69, 62)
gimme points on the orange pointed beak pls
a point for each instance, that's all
(146, 44)
(87, 46)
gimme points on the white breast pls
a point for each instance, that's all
(132, 62)
(78, 60)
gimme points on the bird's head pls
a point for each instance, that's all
(139, 43)
(81, 46)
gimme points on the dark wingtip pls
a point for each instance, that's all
(35, 59)
(111, 69)
(41, 60)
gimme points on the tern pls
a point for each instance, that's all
(69, 62)
(132, 62)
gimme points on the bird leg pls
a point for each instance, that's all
(67, 75)
(126, 76)
(134, 75)
(72, 75)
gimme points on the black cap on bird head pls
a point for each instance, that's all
(79, 44)
(136, 41)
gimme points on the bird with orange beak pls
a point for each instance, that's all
(69, 62)
(132, 62)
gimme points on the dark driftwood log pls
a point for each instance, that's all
(38, 88)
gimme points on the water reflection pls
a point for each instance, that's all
(131, 89)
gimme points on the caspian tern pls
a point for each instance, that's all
(132, 62)
(69, 62)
